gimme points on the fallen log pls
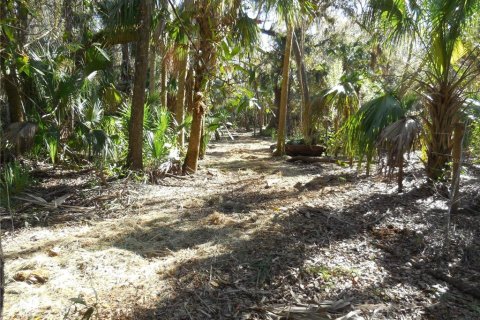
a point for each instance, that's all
(304, 150)
(307, 159)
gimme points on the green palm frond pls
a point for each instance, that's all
(245, 31)
(290, 10)
(446, 21)
(399, 18)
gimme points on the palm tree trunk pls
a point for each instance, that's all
(204, 67)
(191, 160)
(135, 134)
(282, 118)
(442, 109)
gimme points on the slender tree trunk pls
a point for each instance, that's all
(180, 103)
(282, 118)
(203, 141)
(458, 135)
(125, 72)
(400, 174)
(303, 81)
(135, 134)
(151, 70)
(181, 100)
(163, 76)
(459, 130)
(189, 89)
(153, 55)
(277, 94)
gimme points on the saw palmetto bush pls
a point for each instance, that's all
(69, 98)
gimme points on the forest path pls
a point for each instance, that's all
(246, 233)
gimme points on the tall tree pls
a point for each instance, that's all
(298, 50)
(181, 100)
(204, 64)
(8, 54)
(135, 134)
(282, 117)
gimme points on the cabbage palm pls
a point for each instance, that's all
(438, 27)
(215, 21)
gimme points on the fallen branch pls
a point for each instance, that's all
(55, 203)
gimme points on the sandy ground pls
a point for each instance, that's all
(248, 237)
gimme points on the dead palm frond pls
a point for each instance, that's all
(398, 138)
(19, 136)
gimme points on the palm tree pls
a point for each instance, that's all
(215, 20)
(204, 64)
(438, 27)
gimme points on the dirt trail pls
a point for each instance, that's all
(246, 234)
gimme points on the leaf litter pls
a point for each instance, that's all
(248, 237)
